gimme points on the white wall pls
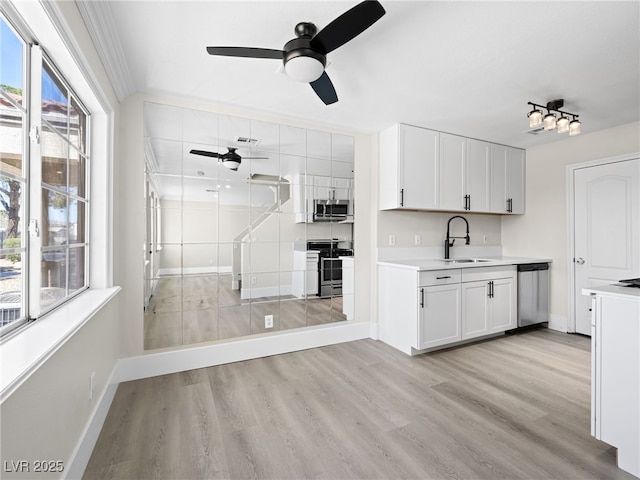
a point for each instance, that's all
(432, 228)
(45, 417)
(542, 232)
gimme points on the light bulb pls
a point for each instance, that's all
(535, 118)
(563, 124)
(549, 121)
(574, 127)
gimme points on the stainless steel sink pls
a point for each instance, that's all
(464, 260)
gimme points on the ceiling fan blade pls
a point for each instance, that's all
(249, 52)
(255, 158)
(348, 26)
(205, 153)
(323, 86)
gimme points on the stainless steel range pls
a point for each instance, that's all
(330, 265)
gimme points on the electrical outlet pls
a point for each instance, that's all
(392, 239)
(268, 321)
(484, 238)
(418, 239)
(92, 385)
(254, 280)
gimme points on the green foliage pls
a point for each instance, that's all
(12, 243)
(10, 89)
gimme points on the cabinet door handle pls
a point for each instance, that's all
(467, 202)
(422, 298)
(442, 278)
(509, 205)
(402, 197)
(490, 294)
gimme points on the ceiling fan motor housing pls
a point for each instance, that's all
(301, 61)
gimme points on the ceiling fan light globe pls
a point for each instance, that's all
(304, 69)
(231, 164)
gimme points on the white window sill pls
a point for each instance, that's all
(25, 351)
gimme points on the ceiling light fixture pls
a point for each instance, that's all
(550, 121)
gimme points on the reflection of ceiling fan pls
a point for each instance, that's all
(304, 57)
(231, 159)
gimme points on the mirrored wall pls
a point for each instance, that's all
(230, 240)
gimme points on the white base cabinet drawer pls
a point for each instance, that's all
(487, 273)
(438, 277)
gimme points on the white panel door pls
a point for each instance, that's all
(419, 153)
(607, 230)
(475, 309)
(498, 196)
(502, 307)
(452, 160)
(439, 321)
(515, 177)
(477, 175)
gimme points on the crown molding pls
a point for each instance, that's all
(100, 24)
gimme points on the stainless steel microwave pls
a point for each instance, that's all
(330, 210)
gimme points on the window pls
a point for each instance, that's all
(43, 184)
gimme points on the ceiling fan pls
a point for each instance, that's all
(304, 58)
(231, 159)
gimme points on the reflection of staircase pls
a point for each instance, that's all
(281, 193)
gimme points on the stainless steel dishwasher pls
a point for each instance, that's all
(533, 294)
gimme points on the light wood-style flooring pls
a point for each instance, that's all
(200, 308)
(516, 407)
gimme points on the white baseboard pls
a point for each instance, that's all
(558, 322)
(178, 360)
(82, 453)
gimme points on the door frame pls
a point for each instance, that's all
(571, 281)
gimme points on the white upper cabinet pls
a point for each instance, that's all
(409, 168)
(498, 179)
(477, 171)
(464, 174)
(423, 169)
(452, 172)
(507, 179)
(516, 175)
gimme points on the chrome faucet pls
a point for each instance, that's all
(448, 244)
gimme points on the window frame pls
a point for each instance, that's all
(25, 110)
(32, 192)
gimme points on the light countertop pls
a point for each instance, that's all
(614, 290)
(424, 264)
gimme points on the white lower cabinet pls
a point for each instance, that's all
(423, 310)
(488, 306)
(439, 322)
(475, 307)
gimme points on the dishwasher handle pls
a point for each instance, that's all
(532, 267)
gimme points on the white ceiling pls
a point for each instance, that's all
(460, 67)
